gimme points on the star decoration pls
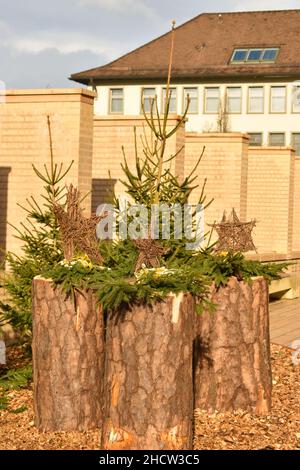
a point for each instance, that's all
(234, 235)
(149, 253)
(78, 233)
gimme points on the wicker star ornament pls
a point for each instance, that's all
(234, 235)
(78, 232)
(149, 253)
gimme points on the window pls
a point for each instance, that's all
(296, 99)
(254, 55)
(147, 95)
(268, 54)
(296, 142)
(239, 55)
(256, 99)
(212, 100)
(116, 100)
(277, 139)
(234, 100)
(173, 100)
(278, 99)
(193, 95)
(255, 139)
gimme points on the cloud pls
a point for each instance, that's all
(42, 43)
(252, 5)
(66, 44)
(123, 6)
(48, 68)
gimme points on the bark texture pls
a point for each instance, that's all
(68, 359)
(232, 367)
(149, 383)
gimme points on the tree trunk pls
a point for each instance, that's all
(232, 367)
(149, 383)
(68, 359)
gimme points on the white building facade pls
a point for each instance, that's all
(240, 70)
(268, 111)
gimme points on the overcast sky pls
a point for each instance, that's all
(42, 42)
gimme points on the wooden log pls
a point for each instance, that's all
(68, 359)
(232, 366)
(149, 384)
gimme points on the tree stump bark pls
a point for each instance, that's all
(68, 359)
(232, 366)
(149, 384)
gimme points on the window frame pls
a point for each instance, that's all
(163, 100)
(254, 61)
(263, 100)
(292, 143)
(270, 61)
(256, 133)
(277, 133)
(110, 100)
(248, 51)
(292, 104)
(205, 98)
(184, 99)
(239, 50)
(227, 100)
(285, 100)
(142, 96)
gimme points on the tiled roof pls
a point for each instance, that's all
(204, 46)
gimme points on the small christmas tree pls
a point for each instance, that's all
(152, 181)
(41, 246)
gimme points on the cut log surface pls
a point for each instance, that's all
(232, 366)
(68, 359)
(149, 383)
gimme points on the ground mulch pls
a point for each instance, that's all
(241, 431)
(238, 431)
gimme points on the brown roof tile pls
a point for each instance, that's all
(204, 46)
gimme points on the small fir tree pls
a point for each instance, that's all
(41, 246)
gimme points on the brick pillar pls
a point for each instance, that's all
(296, 219)
(110, 134)
(225, 165)
(24, 140)
(271, 198)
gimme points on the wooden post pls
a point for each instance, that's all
(68, 359)
(232, 366)
(149, 385)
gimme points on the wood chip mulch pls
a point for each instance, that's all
(241, 431)
(237, 431)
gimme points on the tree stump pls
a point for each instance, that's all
(232, 367)
(149, 384)
(68, 359)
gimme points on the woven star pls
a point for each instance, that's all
(78, 233)
(234, 235)
(150, 252)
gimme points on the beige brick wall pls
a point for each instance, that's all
(296, 221)
(271, 173)
(110, 134)
(24, 140)
(260, 183)
(225, 165)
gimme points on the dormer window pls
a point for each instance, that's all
(254, 55)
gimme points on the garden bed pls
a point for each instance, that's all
(240, 430)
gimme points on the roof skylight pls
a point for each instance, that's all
(254, 55)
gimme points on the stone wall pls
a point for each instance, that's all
(24, 140)
(261, 183)
(271, 188)
(110, 134)
(225, 165)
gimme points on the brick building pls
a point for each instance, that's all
(245, 64)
